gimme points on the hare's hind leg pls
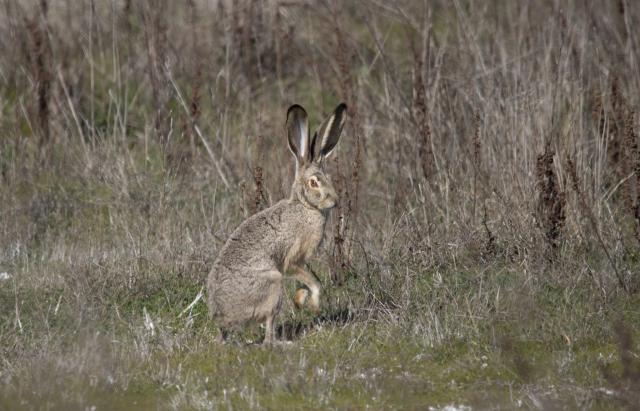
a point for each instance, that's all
(270, 306)
(269, 331)
(312, 285)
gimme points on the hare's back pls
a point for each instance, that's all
(255, 240)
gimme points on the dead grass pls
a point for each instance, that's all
(489, 187)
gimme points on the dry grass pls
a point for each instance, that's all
(489, 178)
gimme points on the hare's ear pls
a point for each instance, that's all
(298, 133)
(327, 136)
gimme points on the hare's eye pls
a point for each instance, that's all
(313, 183)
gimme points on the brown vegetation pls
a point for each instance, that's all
(489, 172)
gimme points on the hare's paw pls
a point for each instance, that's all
(301, 297)
(314, 302)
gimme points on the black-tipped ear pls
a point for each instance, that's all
(313, 147)
(298, 132)
(329, 133)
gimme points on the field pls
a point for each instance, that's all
(485, 253)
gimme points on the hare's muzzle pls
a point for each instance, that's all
(330, 201)
(330, 198)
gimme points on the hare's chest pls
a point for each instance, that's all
(304, 243)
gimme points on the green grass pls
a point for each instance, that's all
(379, 360)
(347, 367)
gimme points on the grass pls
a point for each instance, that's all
(137, 346)
(343, 367)
(485, 253)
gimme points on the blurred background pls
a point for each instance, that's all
(489, 176)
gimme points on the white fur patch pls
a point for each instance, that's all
(303, 130)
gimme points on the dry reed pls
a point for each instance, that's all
(421, 115)
(477, 164)
(575, 182)
(632, 160)
(259, 201)
(41, 69)
(111, 228)
(551, 201)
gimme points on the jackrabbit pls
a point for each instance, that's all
(245, 283)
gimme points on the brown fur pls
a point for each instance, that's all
(245, 283)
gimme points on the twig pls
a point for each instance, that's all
(594, 224)
(193, 303)
(215, 161)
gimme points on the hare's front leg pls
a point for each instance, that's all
(313, 286)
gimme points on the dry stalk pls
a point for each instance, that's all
(194, 107)
(155, 30)
(276, 44)
(258, 198)
(357, 164)
(573, 175)
(194, 100)
(625, 156)
(243, 199)
(551, 201)
(616, 129)
(633, 164)
(348, 190)
(337, 262)
(477, 164)
(257, 178)
(126, 16)
(598, 114)
(622, 11)
(490, 244)
(421, 115)
(41, 70)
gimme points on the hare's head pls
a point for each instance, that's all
(312, 186)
